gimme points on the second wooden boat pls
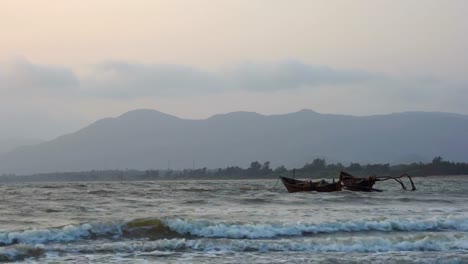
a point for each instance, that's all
(353, 183)
(294, 185)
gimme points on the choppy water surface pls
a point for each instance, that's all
(232, 222)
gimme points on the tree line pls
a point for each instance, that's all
(318, 168)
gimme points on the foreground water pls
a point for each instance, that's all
(232, 222)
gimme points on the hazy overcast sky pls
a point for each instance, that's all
(64, 64)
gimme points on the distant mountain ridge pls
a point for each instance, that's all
(10, 144)
(145, 139)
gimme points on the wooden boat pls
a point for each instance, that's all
(362, 184)
(346, 180)
(366, 184)
(293, 185)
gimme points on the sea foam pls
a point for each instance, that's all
(61, 234)
(226, 230)
(373, 243)
(200, 228)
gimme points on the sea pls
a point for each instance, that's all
(232, 221)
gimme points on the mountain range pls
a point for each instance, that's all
(7, 145)
(149, 139)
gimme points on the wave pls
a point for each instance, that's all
(61, 234)
(155, 228)
(359, 244)
(253, 231)
(20, 252)
(409, 242)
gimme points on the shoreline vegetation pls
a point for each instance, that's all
(318, 168)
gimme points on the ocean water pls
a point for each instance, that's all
(232, 221)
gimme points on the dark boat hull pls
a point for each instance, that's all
(361, 184)
(293, 185)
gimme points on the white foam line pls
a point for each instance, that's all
(428, 242)
(64, 234)
(230, 230)
(226, 230)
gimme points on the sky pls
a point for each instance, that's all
(65, 64)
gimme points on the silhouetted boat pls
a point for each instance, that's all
(365, 184)
(353, 183)
(293, 185)
(346, 181)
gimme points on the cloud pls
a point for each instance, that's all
(292, 75)
(127, 80)
(21, 75)
(124, 80)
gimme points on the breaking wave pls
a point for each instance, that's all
(61, 234)
(409, 242)
(428, 242)
(20, 252)
(252, 231)
(154, 228)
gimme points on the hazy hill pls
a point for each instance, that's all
(144, 139)
(10, 144)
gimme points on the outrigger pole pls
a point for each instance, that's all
(398, 179)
